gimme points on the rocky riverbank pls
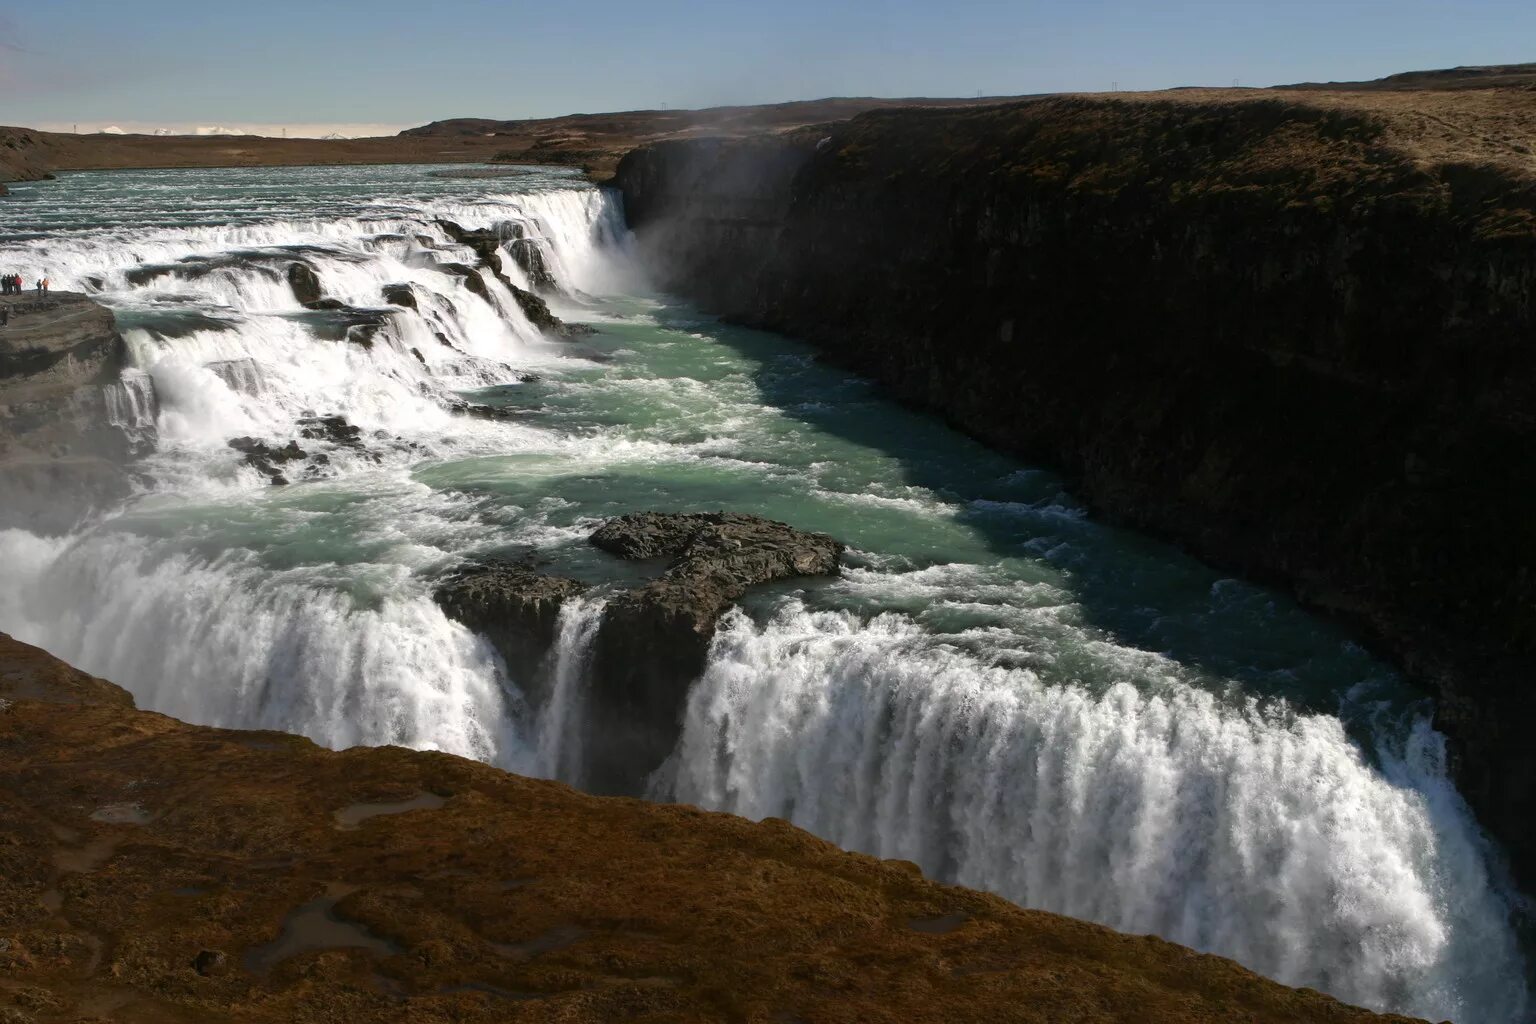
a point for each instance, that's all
(1290, 330)
(153, 871)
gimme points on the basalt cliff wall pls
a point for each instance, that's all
(1294, 332)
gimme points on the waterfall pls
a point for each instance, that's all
(1251, 831)
(1125, 788)
(227, 642)
(562, 720)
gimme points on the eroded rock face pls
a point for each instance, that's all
(237, 890)
(305, 284)
(528, 255)
(514, 606)
(655, 638)
(266, 459)
(400, 295)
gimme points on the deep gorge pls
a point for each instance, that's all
(366, 462)
(1260, 329)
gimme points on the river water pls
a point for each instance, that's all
(996, 687)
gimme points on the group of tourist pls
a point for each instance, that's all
(11, 284)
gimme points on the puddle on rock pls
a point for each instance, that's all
(314, 925)
(353, 815)
(938, 925)
(556, 938)
(122, 814)
(88, 858)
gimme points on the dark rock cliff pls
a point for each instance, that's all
(1272, 330)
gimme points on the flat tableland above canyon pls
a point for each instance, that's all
(1472, 114)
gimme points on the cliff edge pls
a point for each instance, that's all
(155, 871)
(1295, 332)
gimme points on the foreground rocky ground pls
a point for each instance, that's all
(153, 871)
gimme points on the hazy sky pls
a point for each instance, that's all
(391, 63)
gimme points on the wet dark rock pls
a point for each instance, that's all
(355, 325)
(486, 242)
(265, 458)
(538, 313)
(334, 429)
(400, 295)
(488, 247)
(304, 282)
(490, 412)
(210, 962)
(471, 278)
(143, 275)
(528, 254)
(654, 639)
(514, 606)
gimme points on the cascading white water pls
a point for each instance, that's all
(1159, 808)
(390, 667)
(220, 348)
(1137, 795)
(562, 720)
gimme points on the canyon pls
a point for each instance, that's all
(1290, 330)
(403, 502)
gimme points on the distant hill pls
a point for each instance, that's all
(597, 141)
(746, 118)
(1493, 76)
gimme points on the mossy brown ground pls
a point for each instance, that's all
(152, 870)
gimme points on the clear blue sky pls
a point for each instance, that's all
(392, 61)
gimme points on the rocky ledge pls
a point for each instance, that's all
(653, 639)
(156, 871)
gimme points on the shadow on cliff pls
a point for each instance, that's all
(1146, 593)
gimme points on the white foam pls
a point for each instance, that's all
(1150, 805)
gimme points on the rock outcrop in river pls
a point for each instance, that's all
(152, 870)
(1292, 331)
(653, 639)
